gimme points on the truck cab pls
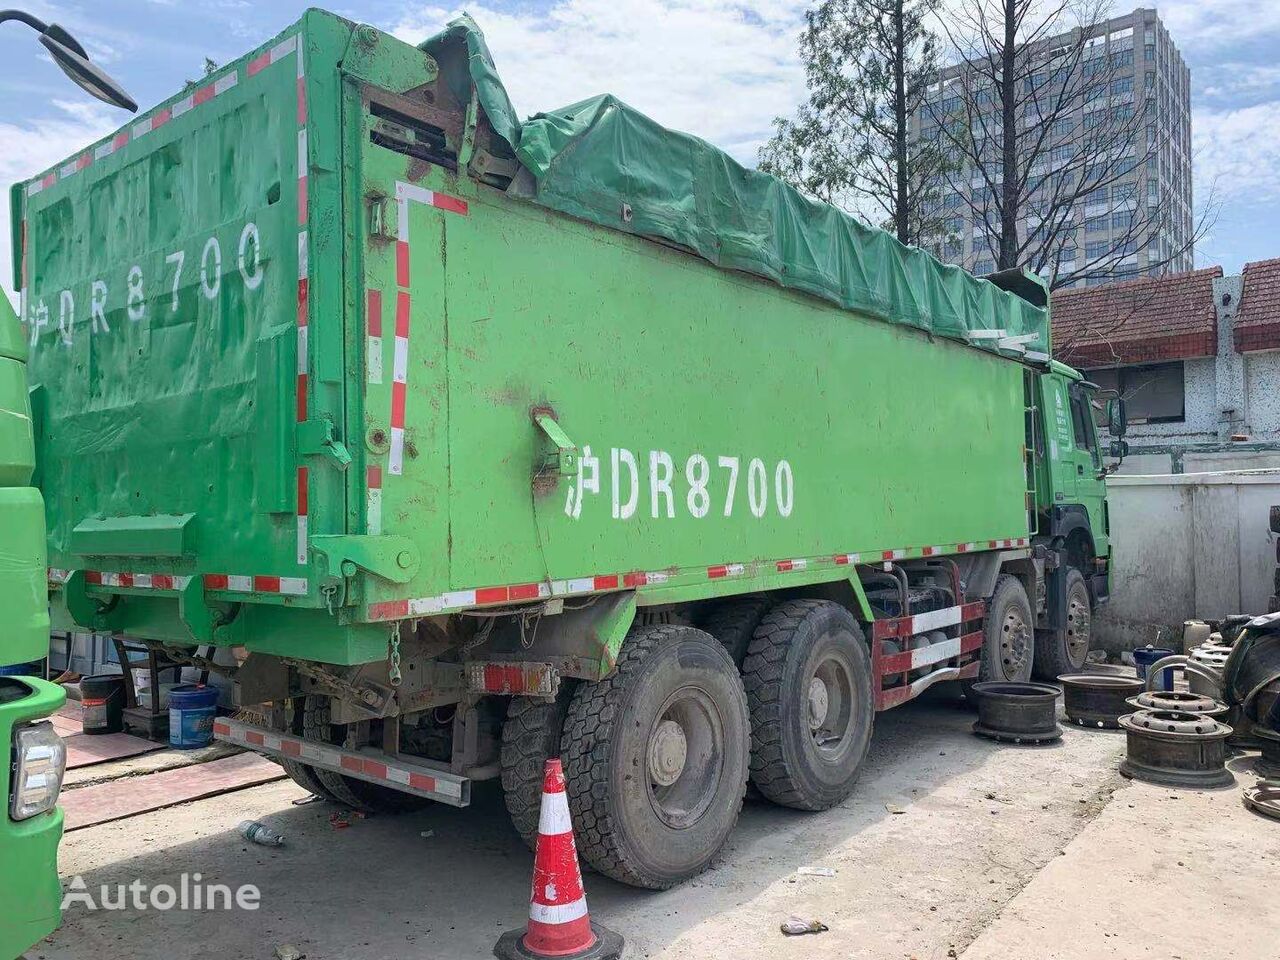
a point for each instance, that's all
(1070, 523)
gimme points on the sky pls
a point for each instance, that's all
(717, 68)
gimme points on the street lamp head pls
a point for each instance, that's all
(71, 57)
(74, 60)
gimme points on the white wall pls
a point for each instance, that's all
(1186, 545)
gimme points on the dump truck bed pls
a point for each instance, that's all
(306, 362)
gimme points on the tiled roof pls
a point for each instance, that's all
(1138, 321)
(1257, 325)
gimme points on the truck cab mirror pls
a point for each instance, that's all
(1119, 449)
(1117, 422)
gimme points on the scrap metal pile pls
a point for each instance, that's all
(1180, 736)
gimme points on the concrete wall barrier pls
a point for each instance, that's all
(1185, 546)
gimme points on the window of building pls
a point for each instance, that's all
(983, 267)
(1149, 81)
(1096, 196)
(1096, 225)
(1122, 86)
(1153, 393)
(1124, 191)
(952, 250)
(1149, 52)
(1096, 250)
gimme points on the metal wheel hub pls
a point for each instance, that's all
(1015, 642)
(668, 750)
(685, 757)
(819, 703)
(1078, 626)
(829, 708)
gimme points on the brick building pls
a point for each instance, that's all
(1196, 356)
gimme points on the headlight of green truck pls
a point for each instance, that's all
(31, 826)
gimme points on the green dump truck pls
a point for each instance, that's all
(482, 440)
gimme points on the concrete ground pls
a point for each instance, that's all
(951, 846)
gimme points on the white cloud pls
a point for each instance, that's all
(1203, 24)
(719, 69)
(1226, 81)
(31, 148)
(1236, 153)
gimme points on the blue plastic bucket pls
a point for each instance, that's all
(192, 708)
(1143, 657)
(21, 670)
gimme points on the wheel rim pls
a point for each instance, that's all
(1078, 627)
(685, 757)
(1015, 643)
(830, 707)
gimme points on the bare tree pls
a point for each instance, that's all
(1049, 127)
(867, 63)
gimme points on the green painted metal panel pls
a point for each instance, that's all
(838, 433)
(167, 310)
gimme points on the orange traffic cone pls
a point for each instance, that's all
(559, 925)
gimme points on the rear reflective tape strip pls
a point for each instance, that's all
(302, 515)
(335, 758)
(137, 581)
(373, 512)
(240, 583)
(302, 176)
(406, 192)
(373, 341)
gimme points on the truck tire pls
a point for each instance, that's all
(656, 758)
(303, 774)
(530, 736)
(734, 623)
(316, 726)
(1008, 644)
(350, 791)
(1065, 651)
(808, 680)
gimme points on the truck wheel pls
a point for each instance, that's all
(303, 774)
(656, 758)
(316, 726)
(734, 623)
(1008, 644)
(530, 735)
(1065, 651)
(808, 679)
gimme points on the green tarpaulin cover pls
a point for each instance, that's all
(597, 158)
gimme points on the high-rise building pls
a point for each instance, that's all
(1145, 79)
